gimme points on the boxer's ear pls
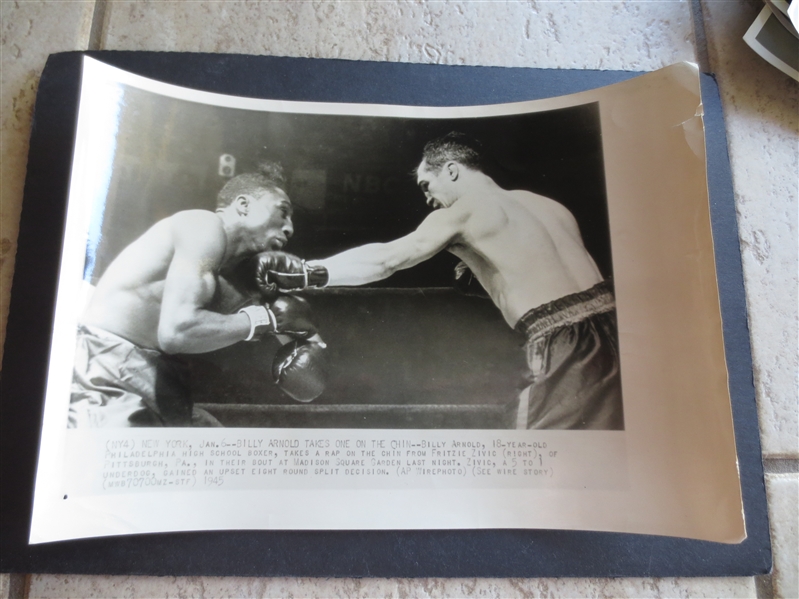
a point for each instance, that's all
(242, 203)
(452, 170)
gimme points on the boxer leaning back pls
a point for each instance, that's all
(183, 288)
(527, 253)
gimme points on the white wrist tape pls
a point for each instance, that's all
(259, 316)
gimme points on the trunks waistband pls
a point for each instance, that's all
(567, 310)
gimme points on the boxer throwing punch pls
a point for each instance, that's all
(165, 295)
(527, 253)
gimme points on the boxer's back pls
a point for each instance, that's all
(525, 249)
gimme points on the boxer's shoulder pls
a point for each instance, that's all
(191, 220)
(199, 230)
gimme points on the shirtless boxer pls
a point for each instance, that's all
(162, 296)
(527, 252)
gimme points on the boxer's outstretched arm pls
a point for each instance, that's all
(377, 261)
(185, 325)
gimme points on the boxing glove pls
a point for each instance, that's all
(467, 283)
(300, 369)
(282, 271)
(291, 315)
(229, 299)
(237, 287)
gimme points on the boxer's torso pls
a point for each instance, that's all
(127, 300)
(525, 249)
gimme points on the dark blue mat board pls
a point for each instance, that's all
(449, 553)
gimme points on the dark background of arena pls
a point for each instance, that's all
(407, 352)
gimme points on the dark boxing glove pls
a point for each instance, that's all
(230, 295)
(236, 288)
(287, 315)
(300, 369)
(281, 271)
(467, 283)
(291, 315)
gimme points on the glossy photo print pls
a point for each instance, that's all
(277, 315)
(460, 272)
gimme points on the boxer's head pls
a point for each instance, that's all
(454, 147)
(439, 173)
(261, 205)
(439, 186)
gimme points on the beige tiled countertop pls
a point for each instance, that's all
(762, 115)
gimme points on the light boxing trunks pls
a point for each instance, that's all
(116, 384)
(573, 355)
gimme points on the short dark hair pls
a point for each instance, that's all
(455, 146)
(268, 177)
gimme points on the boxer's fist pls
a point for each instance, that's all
(466, 282)
(237, 287)
(291, 315)
(231, 295)
(300, 369)
(281, 271)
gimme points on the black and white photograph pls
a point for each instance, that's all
(293, 315)
(773, 37)
(256, 268)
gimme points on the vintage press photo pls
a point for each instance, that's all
(438, 313)
(475, 309)
(772, 36)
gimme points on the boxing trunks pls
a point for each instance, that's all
(116, 383)
(573, 356)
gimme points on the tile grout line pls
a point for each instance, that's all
(764, 587)
(98, 25)
(780, 465)
(18, 586)
(764, 584)
(700, 38)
